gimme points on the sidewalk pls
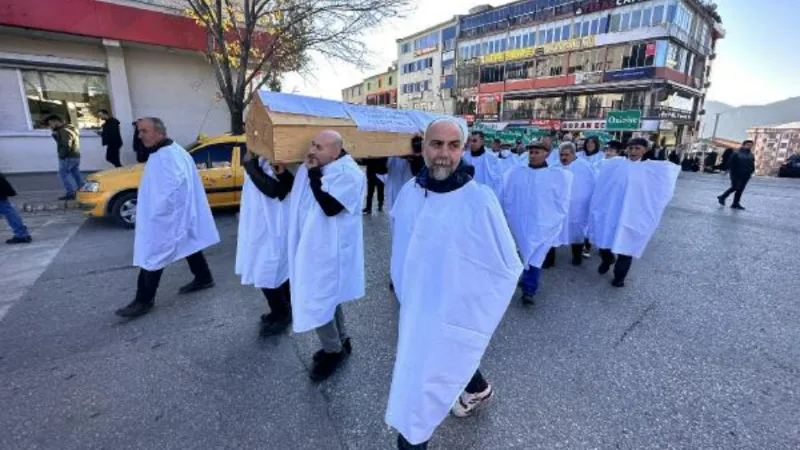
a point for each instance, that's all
(39, 192)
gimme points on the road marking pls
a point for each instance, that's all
(23, 264)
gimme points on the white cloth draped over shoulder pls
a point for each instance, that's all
(489, 169)
(173, 219)
(536, 202)
(262, 258)
(577, 221)
(326, 254)
(398, 173)
(629, 199)
(592, 160)
(553, 158)
(454, 268)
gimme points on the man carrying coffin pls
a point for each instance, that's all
(173, 219)
(453, 289)
(488, 167)
(326, 247)
(577, 221)
(535, 200)
(262, 258)
(629, 198)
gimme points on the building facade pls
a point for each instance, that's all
(426, 69)
(354, 94)
(773, 145)
(584, 64)
(74, 58)
(381, 89)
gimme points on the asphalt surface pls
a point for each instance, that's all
(699, 351)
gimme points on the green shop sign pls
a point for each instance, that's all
(624, 120)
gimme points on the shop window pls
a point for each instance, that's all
(519, 70)
(75, 97)
(550, 66)
(614, 57)
(637, 55)
(636, 19)
(492, 74)
(585, 61)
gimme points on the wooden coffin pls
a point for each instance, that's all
(284, 137)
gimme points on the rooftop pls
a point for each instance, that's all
(786, 126)
(451, 21)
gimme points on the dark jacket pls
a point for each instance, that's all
(110, 133)
(6, 190)
(725, 165)
(375, 166)
(68, 141)
(138, 146)
(743, 164)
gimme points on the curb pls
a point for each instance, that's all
(61, 205)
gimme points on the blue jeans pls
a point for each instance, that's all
(530, 280)
(70, 167)
(13, 218)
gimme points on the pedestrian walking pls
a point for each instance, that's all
(111, 137)
(7, 210)
(68, 144)
(742, 166)
(445, 326)
(262, 258)
(326, 247)
(173, 219)
(375, 167)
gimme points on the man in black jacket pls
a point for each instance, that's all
(742, 166)
(375, 167)
(21, 235)
(112, 139)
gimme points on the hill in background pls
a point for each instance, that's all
(735, 121)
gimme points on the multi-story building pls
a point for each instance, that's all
(772, 145)
(577, 64)
(381, 89)
(77, 57)
(426, 72)
(354, 94)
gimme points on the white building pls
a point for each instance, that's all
(88, 55)
(426, 69)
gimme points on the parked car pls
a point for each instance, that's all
(790, 168)
(112, 193)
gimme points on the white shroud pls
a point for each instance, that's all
(262, 258)
(577, 220)
(326, 254)
(455, 269)
(536, 202)
(629, 199)
(173, 219)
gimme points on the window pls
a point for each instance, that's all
(215, 156)
(614, 25)
(380, 83)
(585, 29)
(585, 61)
(519, 41)
(576, 29)
(550, 66)
(614, 58)
(638, 55)
(549, 36)
(671, 13)
(594, 28)
(646, 17)
(519, 70)
(390, 80)
(636, 19)
(658, 15)
(525, 41)
(542, 37)
(502, 45)
(492, 74)
(75, 97)
(491, 47)
(626, 22)
(484, 48)
(405, 48)
(603, 25)
(565, 32)
(532, 38)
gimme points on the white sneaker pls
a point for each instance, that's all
(587, 254)
(467, 403)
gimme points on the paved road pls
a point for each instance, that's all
(700, 351)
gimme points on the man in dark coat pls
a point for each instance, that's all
(112, 139)
(375, 167)
(21, 235)
(742, 166)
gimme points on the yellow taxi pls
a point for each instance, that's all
(112, 193)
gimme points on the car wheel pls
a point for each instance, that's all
(124, 209)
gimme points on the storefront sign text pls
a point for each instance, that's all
(546, 124)
(588, 77)
(624, 120)
(630, 74)
(576, 125)
(529, 52)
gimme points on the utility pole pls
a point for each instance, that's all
(716, 124)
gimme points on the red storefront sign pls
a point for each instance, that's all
(546, 124)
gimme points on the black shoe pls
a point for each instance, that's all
(380, 208)
(577, 262)
(327, 364)
(346, 345)
(70, 196)
(527, 300)
(604, 268)
(618, 283)
(366, 212)
(273, 324)
(391, 286)
(721, 200)
(739, 207)
(19, 240)
(135, 309)
(196, 285)
(548, 264)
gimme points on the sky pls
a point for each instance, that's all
(758, 62)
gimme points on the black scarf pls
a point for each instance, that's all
(461, 176)
(160, 145)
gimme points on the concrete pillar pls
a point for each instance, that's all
(120, 97)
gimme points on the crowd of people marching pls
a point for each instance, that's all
(469, 225)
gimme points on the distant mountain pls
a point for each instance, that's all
(735, 121)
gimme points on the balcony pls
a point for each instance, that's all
(653, 112)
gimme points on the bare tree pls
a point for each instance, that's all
(255, 42)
